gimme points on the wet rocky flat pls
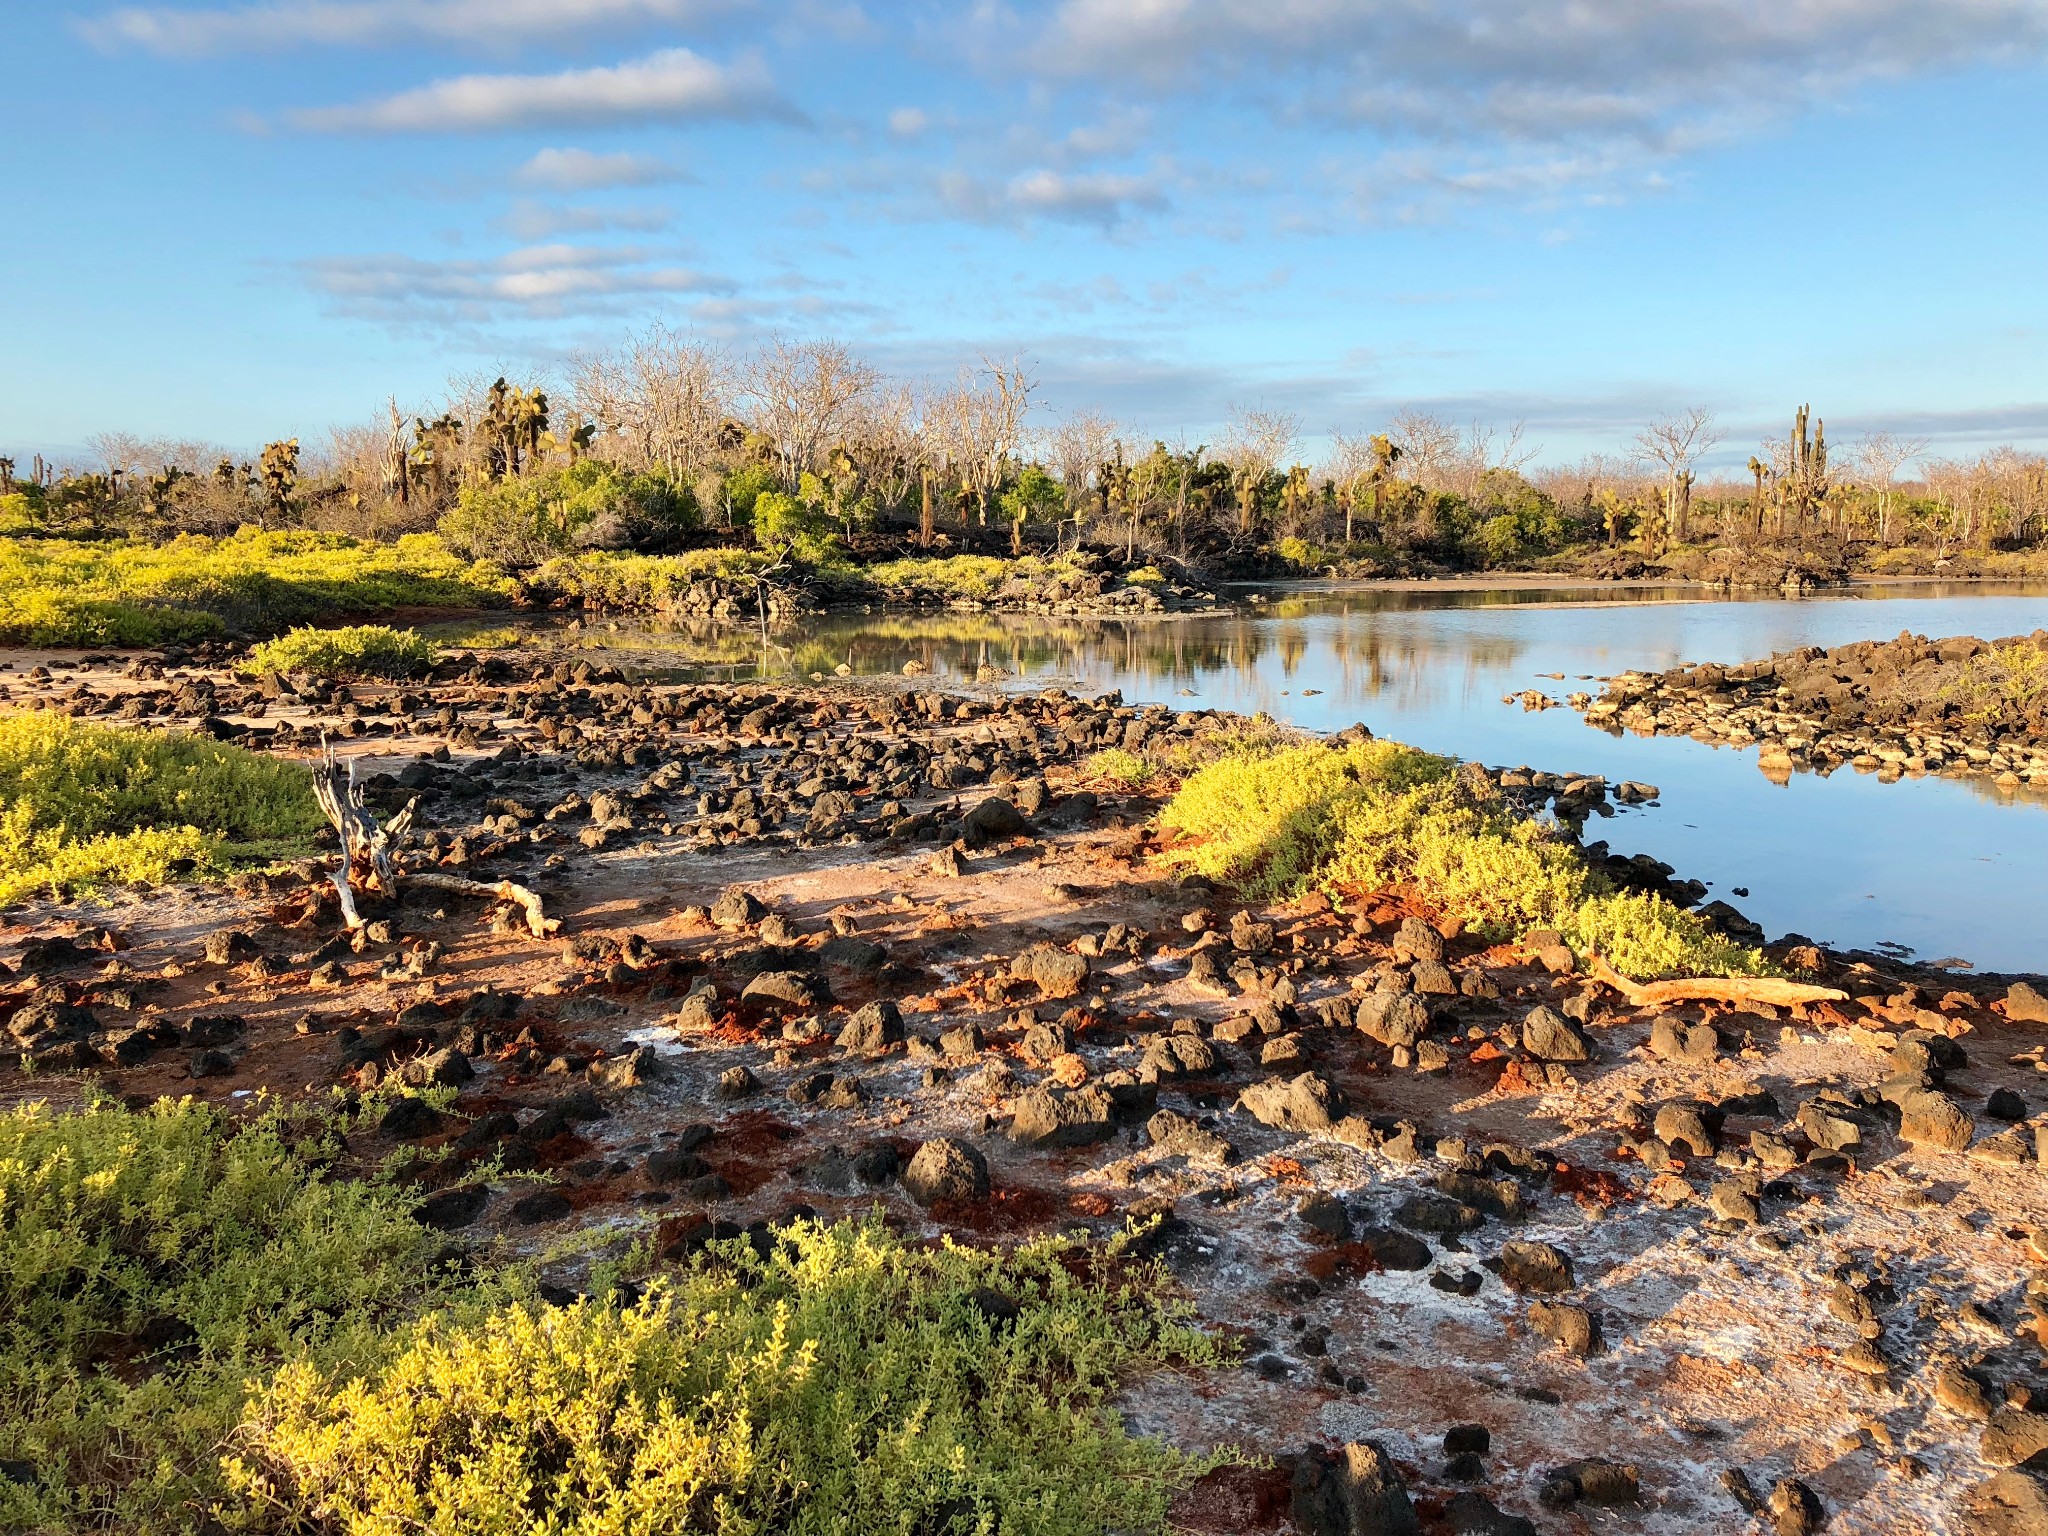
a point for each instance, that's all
(1500, 1250)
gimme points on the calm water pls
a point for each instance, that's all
(1946, 868)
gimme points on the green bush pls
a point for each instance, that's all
(154, 1262)
(629, 583)
(85, 806)
(804, 528)
(1373, 815)
(523, 520)
(848, 1382)
(65, 592)
(367, 650)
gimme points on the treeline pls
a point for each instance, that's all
(807, 449)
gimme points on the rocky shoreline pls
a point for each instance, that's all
(1894, 708)
(1498, 1245)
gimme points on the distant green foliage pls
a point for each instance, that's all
(366, 650)
(154, 1263)
(85, 806)
(61, 592)
(848, 1383)
(803, 528)
(525, 519)
(1375, 814)
(1034, 496)
(647, 583)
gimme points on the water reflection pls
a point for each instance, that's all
(1947, 867)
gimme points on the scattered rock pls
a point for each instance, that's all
(1304, 1103)
(946, 1169)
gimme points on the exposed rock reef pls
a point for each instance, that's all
(1910, 705)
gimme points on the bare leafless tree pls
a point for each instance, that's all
(805, 395)
(1431, 449)
(658, 402)
(1877, 459)
(1075, 451)
(1254, 443)
(982, 422)
(1675, 444)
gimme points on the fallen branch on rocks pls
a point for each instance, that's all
(1712, 989)
(369, 854)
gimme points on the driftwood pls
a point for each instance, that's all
(369, 853)
(1712, 989)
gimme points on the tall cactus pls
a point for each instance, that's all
(279, 472)
(1804, 487)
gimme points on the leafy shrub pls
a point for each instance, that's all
(1376, 814)
(367, 650)
(644, 582)
(154, 1262)
(524, 519)
(802, 527)
(848, 1382)
(83, 806)
(64, 592)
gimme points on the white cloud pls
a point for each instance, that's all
(1513, 97)
(583, 170)
(673, 84)
(532, 282)
(531, 219)
(1101, 198)
(908, 122)
(330, 23)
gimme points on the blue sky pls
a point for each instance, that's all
(236, 221)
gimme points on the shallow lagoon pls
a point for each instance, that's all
(1942, 867)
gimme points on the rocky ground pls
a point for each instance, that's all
(1905, 706)
(1503, 1252)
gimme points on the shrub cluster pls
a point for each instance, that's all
(207, 1326)
(524, 520)
(364, 650)
(84, 806)
(1375, 814)
(154, 1262)
(64, 592)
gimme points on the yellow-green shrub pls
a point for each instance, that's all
(846, 1383)
(1371, 815)
(85, 805)
(627, 582)
(153, 1262)
(67, 592)
(364, 650)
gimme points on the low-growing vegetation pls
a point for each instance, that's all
(64, 592)
(2005, 679)
(155, 1262)
(1372, 815)
(363, 650)
(206, 1325)
(846, 1382)
(87, 806)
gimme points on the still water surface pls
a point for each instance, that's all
(1943, 867)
